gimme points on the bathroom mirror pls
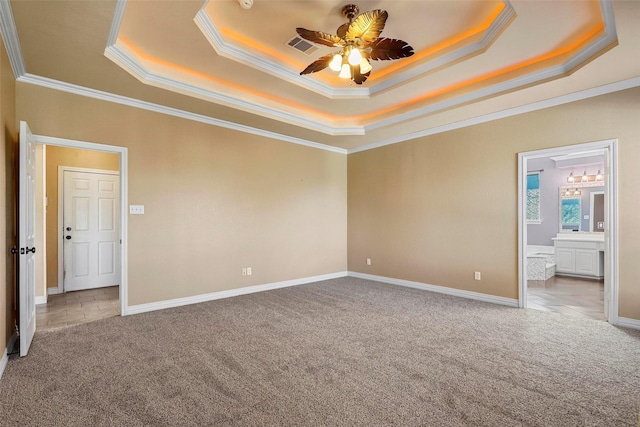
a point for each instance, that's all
(570, 213)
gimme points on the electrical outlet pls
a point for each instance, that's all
(477, 275)
(249, 271)
(368, 261)
(244, 271)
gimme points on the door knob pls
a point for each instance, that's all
(68, 237)
(68, 228)
(31, 250)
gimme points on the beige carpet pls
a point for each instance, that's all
(340, 352)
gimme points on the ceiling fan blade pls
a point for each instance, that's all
(368, 26)
(319, 37)
(358, 77)
(342, 30)
(384, 49)
(318, 65)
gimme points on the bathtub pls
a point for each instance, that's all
(541, 264)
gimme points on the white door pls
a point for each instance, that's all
(27, 239)
(91, 236)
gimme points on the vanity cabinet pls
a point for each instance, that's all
(579, 257)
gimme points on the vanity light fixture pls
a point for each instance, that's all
(569, 192)
(585, 178)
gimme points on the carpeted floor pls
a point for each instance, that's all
(340, 352)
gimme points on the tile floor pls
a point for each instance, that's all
(568, 295)
(77, 307)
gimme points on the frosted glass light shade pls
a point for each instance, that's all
(355, 57)
(365, 67)
(345, 73)
(336, 62)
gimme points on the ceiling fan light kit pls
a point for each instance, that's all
(359, 42)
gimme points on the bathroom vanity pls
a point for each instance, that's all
(580, 254)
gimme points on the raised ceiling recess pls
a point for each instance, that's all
(464, 52)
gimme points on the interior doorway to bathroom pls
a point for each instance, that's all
(567, 257)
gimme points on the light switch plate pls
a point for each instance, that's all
(136, 209)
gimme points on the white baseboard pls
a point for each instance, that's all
(5, 356)
(41, 300)
(628, 323)
(439, 289)
(142, 308)
(53, 291)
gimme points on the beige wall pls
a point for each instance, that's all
(436, 209)
(62, 156)
(8, 138)
(433, 210)
(216, 200)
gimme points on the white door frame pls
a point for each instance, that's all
(610, 148)
(124, 202)
(61, 170)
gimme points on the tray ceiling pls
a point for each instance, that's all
(219, 60)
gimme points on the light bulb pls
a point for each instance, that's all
(365, 67)
(570, 179)
(355, 57)
(346, 72)
(585, 178)
(336, 62)
(599, 176)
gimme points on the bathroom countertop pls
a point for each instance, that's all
(581, 237)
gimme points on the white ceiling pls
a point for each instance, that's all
(216, 62)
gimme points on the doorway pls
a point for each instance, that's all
(596, 211)
(108, 300)
(605, 260)
(27, 225)
(82, 224)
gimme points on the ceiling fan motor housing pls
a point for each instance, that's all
(350, 11)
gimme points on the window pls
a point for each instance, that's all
(570, 214)
(533, 198)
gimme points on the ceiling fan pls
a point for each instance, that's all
(359, 42)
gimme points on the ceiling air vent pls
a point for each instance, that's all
(302, 45)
